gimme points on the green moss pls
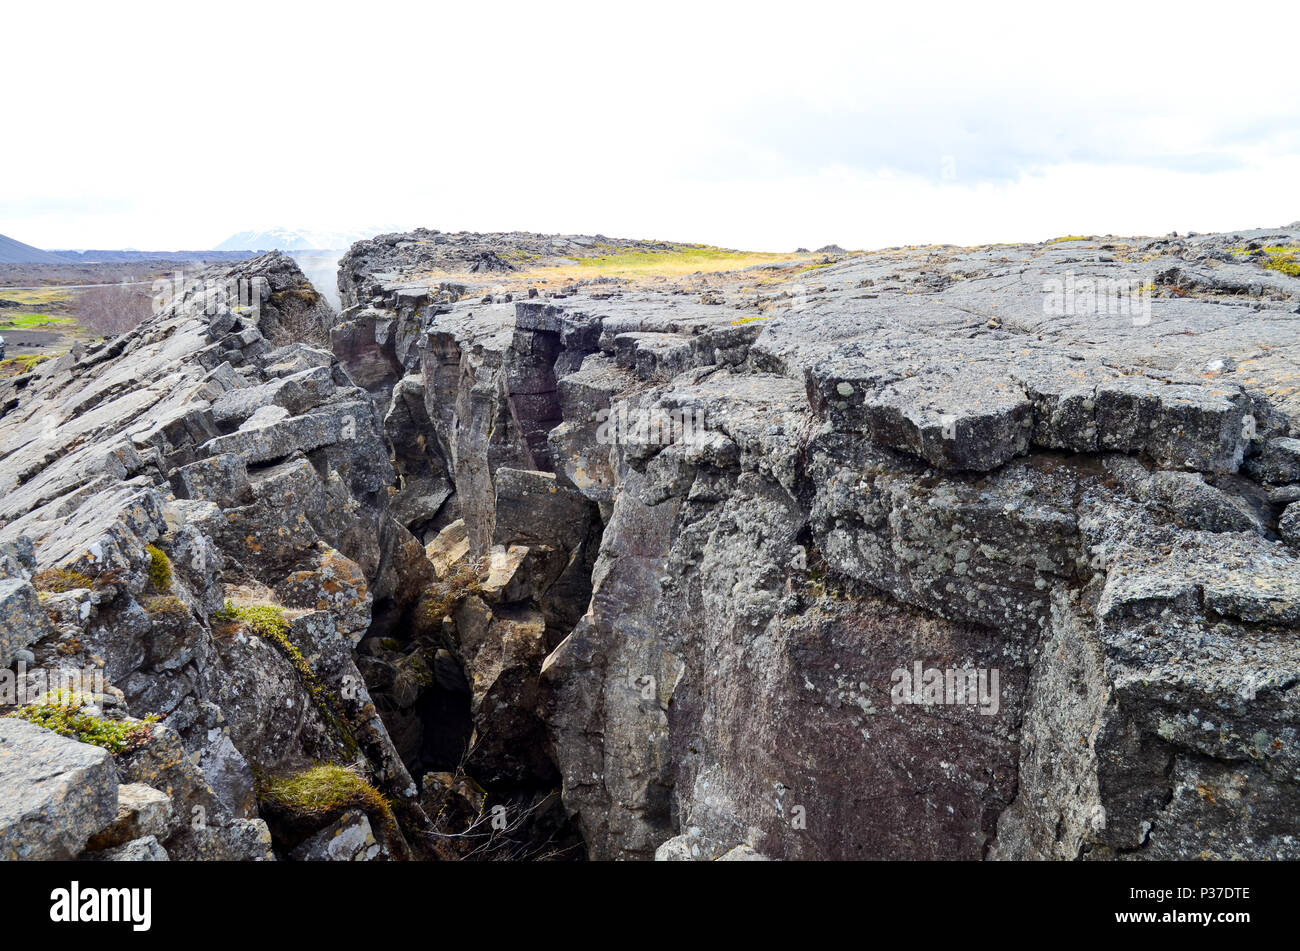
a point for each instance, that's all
(671, 259)
(160, 568)
(265, 620)
(1283, 260)
(24, 363)
(323, 792)
(1279, 257)
(306, 295)
(268, 622)
(62, 713)
(59, 580)
(1071, 237)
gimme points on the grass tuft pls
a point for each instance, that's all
(60, 580)
(324, 791)
(166, 604)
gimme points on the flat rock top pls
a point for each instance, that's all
(31, 756)
(964, 357)
(54, 792)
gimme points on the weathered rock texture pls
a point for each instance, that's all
(259, 473)
(660, 554)
(900, 457)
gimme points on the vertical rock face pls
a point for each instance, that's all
(915, 470)
(885, 558)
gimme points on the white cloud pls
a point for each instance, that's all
(758, 125)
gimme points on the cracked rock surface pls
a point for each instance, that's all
(645, 563)
(903, 456)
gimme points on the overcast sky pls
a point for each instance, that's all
(761, 126)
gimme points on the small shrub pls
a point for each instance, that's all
(113, 309)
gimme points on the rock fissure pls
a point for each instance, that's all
(628, 573)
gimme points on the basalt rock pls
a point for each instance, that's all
(922, 553)
(213, 455)
(800, 502)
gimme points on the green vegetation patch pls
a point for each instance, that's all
(325, 791)
(160, 568)
(1284, 260)
(1071, 237)
(166, 604)
(268, 622)
(63, 713)
(264, 620)
(303, 294)
(24, 363)
(34, 321)
(1279, 257)
(675, 259)
(41, 297)
(443, 597)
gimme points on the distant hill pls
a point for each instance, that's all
(288, 239)
(15, 252)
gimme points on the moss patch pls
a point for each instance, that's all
(160, 568)
(25, 363)
(264, 620)
(443, 597)
(1284, 260)
(1279, 257)
(305, 295)
(62, 713)
(324, 792)
(673, 260)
